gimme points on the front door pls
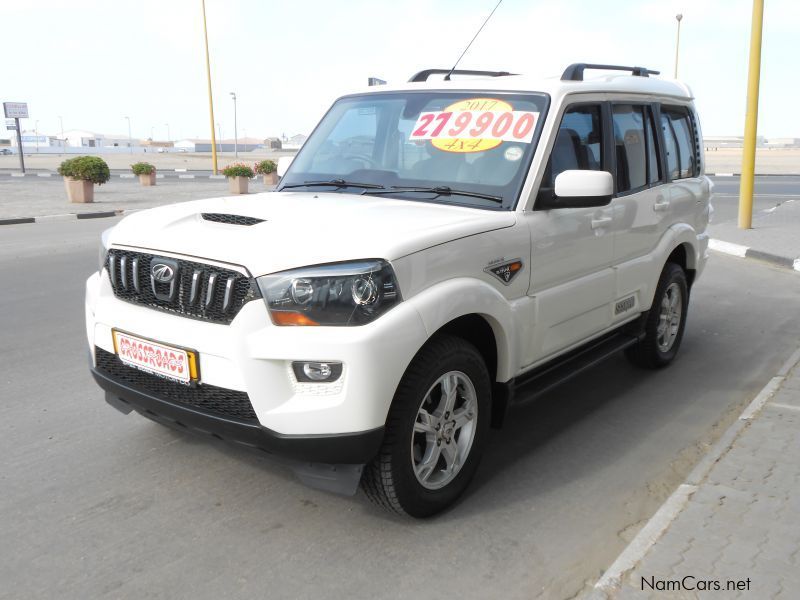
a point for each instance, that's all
(572, 280)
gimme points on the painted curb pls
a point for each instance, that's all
(69, 217)
(746, 252)
(655, 527)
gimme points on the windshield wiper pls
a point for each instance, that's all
(339, 183)
(440, 190)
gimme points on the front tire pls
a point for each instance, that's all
(435, 432)
(665, 322)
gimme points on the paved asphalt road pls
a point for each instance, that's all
(97, 504)
(769, 190)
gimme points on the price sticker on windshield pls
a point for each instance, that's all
(475, 125)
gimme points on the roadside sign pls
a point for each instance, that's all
(16, 110)
(11, 124)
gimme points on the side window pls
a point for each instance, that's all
(578, 145)
(679, 141)
(631, 146)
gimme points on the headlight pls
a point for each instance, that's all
(102, 252)
(352, 293)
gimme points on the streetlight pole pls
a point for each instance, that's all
(679, 18)
(210, 97)
(130, 138)
(751, 119)
(36, 134)
(63, 141)
(235, 128)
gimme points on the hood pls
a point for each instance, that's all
(302, 228)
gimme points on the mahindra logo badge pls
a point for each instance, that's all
(162, 273)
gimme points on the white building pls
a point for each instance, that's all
(30, 139)
(80, 138)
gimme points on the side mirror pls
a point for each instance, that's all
(283, 165)
(581, 189)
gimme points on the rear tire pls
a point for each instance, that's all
(665, 321)
(435, 431)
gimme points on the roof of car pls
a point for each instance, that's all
(553, 85)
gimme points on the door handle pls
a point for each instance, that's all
(601, 222)
(661, 205)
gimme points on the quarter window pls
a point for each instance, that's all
(679, 142)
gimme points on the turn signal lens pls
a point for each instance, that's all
(292, 318)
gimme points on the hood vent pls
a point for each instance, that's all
(231, 219)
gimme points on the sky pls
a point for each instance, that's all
(93, 62)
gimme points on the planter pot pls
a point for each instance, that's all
(238, 185)
(148, 179)
(79, 191)
(271, 178)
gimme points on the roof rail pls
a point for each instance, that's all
(423, 75)
(574, 72)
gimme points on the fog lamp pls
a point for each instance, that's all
(317, 372)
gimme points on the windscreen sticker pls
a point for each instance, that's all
(513, 153)
(475, 125)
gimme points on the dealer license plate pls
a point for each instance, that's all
(152, 357)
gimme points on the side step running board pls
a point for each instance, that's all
(548, 376)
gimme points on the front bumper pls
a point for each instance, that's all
(351, 448)
(252, 356)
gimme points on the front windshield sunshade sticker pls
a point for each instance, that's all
(475, 125)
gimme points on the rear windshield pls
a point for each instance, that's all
(453, 142)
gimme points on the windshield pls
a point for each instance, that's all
(447, 147)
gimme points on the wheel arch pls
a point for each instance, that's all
(685, 257)
(479, 314)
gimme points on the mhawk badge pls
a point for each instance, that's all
(505, 271)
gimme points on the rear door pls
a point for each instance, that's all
(641, 204)
(688, 190)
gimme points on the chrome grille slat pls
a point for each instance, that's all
(135, 272)
(226, 302)
(131, 280)
(195, 287)
(123, 271)
(212, 281)
(112, 268)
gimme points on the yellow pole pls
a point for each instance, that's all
(678, 17)
(751, 119)
(210, 97)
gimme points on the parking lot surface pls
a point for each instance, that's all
(97, 504)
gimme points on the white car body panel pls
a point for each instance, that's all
(299, 229)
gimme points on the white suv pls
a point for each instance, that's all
(433, 248)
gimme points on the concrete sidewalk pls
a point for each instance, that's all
(775, 236)
(732, 530)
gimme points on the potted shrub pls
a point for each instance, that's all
(80, 175)
(239, 176)
(145, 171)
(268, 168)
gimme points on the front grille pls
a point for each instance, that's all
(231, 219)
(206, 398)
(197, 290)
